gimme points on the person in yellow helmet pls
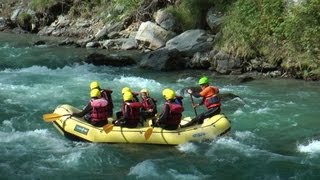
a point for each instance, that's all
(209, 99)
(135, 94)
(96, 111)
(130, 112)
(106, 94)
(135, 99)
(149, 105)
(170, 116)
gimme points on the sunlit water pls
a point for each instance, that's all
(275, 123)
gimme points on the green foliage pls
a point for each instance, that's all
(121, 9)
(302, 27)
(86, 8)
(191, 13)
(105, 9)
(251, 26)
(41, 5)
(24, 20)
(301, 35)
(282, 35)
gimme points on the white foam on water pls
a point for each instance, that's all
(232, 144)
(194, 176)
(71, 159)
(312, 147)
(137, 83)
(187, 147)
(262, 110)
(40, 140)
(238, 112)
(144, 169)
(6, 126)
(235, 89)
(186, 80)
(12, 136)
(4, 46)
(244, 134)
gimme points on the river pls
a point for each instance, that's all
(275, 122)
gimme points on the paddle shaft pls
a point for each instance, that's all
(53, 117)
(195, 111)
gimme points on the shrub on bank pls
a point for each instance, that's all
(41, 5)
(191, 14)
(24, 21)
(284, 34)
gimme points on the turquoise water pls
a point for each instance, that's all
(274, 123)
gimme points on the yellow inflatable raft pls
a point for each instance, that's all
(77, 128)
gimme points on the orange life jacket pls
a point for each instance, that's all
(210, 98)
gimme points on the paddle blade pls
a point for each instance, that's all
(51, 117)
(107, 128)
(148, 133)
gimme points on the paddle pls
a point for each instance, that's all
(52, 117)
(194, 108)
(107, 128)
(148, 133)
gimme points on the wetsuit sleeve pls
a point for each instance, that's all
(85, 111)
(164, 114)
(196, 94)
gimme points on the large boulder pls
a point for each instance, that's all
(108, 28)
(163, 60)
(166, 20)
(3, 24)
(200, 60)
(152, 35)
(190, 42)
(224, 63)
(120, 43)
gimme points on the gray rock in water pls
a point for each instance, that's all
(109, 60)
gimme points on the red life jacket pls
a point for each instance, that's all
(134, 114)
(175, 113)
(99, 109)
(146, 104)
(212, 100)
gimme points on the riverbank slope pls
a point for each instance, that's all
(223, 37)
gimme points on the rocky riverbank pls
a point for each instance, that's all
(162, 44)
